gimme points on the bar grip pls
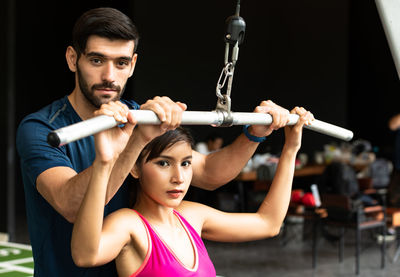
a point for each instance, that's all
(100, 123)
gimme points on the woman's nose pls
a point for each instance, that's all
(177, 176)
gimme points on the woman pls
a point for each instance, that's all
(161, 235)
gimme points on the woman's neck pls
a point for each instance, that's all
(155, 213)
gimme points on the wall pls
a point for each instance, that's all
(373, 82)
(324, 55)
(294, 53)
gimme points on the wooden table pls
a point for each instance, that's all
(251, 176)
(313, 215)
(307, 170)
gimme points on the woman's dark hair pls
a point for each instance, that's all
(153, 150)
(103, 22)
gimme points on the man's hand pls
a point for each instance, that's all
(280, 118)
(169, 113)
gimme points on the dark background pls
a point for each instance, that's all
(329, 56)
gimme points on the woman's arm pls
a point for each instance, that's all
(87, 231)
(266, 222)
(94, 243)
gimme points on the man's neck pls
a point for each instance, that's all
(80, 104)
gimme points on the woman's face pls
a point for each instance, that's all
(166, 178)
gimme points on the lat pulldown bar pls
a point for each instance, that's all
(97, 124)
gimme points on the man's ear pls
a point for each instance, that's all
(72, 58)
(135, 172)
(133, 63)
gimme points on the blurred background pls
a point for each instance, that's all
(330, 56)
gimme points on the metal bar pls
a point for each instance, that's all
(216, 118)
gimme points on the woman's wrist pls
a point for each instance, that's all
(290, 150)
(138, 140)
(104, 164)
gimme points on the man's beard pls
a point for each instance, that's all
(89, 92)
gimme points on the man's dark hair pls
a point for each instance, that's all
(106, 23)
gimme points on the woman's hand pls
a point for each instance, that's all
(293, 133)
(110, 143)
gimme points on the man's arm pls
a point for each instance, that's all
(216, 169)
(64, 189)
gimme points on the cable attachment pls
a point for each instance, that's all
(224, 101)
(235, 29)
(234, 35)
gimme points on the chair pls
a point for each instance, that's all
(311, 215)
(393, 221)
(345, 212)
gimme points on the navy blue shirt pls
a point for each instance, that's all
(50, 233)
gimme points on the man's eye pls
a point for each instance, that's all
(186, 163)
(122, 63)
(96, 61)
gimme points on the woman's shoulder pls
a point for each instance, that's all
(124, 217)
(193, 212)
(189, 207)
(125, 212)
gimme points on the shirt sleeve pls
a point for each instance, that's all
(36, 155)
(131, 104)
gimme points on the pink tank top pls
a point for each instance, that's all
(161, 261)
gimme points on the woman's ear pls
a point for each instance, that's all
(135, 172)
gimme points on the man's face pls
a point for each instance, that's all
(104, 68)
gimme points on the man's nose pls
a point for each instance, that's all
(108, 73)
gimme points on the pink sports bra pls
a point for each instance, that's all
(161, 261)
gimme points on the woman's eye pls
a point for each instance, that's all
(186, 163)
(163, 163)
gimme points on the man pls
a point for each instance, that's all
(102, 58)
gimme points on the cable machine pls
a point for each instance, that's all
(222, 116)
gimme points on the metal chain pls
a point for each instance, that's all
(227, 72)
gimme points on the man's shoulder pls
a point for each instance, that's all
(35, 126)
(131, 104)
(51, 114)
